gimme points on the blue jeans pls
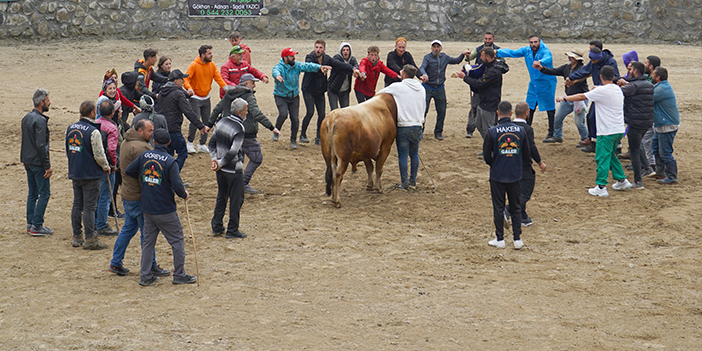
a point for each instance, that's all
(439, 97)
(39, 194)
(408, 139)
(104, 199)
(565, 108)
(178, 146)
(133, 221)
(662, 147)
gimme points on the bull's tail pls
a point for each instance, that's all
(328, 175)
(328, 179)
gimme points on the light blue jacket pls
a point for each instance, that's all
(291, 76)
(542, 87)
(665, 107)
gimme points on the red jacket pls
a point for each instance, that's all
(247, 53)
(121, 98)
(231, 72)
(367, 87)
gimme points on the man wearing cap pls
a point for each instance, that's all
(286, 92)
(598, 59)
(398, 58)
(198, 82)
(235, 67)
(173, 103)
(314, 85)
(136, 141)
(433, 70)
(565, 107)
(227, 160)
(250, 146)
(34, 154)
(148, 112)
(542, 88)
(488, 42)
(159, 177)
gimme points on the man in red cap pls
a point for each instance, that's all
(286, 92)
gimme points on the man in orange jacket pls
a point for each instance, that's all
(198, 83)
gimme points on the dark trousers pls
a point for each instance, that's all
(360, 97)
(179, 147)
(312, 102)
(38, 195)
(527, 188)
(288, 106)
(474, 102)
(252, 149)
(439, 97)
(338, 100)
(591, 121)
(636, 151)
(169, 225)
(202, 110)
(551, 119)
(85, 199)
(498, 191)
(230, 186)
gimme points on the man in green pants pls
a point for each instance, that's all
(609, 112)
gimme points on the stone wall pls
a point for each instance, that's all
(652, 21)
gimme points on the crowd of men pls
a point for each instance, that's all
(145, 157)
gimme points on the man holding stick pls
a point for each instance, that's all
(159, 175)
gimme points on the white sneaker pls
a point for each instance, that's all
(191, 148)
(622, 185)
(518, 244)
(597, 191)
(203, 148)
(500, 244)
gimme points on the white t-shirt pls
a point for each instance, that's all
(609, 109)
(410, 98)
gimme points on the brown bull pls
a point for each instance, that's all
(363, 132)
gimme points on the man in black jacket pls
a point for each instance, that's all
(250, 146)
(314, 85)
(489, 42)
(172, 105)
(34, 154)
(339, 82)
(528, 174)
(398, 58)
(638, 114)
(565, 107)
(506, 148)
(489, 88)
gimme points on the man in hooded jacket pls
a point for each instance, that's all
(339, 83)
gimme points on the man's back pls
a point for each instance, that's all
(505, 149)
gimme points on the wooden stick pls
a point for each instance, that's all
(197, 267)
(112, 199)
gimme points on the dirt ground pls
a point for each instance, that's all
(393, 271)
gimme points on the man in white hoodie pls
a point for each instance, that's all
(410, 98)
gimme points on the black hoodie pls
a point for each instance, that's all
(173, 103)
(315, 83)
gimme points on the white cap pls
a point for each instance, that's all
(437, 41)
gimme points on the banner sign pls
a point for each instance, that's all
(225, 8)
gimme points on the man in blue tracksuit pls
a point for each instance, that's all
(433, 70)
(286, 92)
(506, 149)
(159, 175)
(598, 59)
(542, 87)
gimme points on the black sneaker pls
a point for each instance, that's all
(237, 235)
(589, 148)
(303, 139)
(438, 136)
(218, 233)
(107, 231)
(317, 141)
(148, 282)
(160, 272)
(120, 271)
(527, 222)
(187, 279)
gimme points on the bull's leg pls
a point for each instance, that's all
(379, 163)
(338, 177)
(369, 169)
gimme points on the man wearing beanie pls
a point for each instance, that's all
(148, 112)
(159, 175)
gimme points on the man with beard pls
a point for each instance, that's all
(314, 85)
(198, 83)
(488, 42)
(339, 83)
(666, 122)
(286, 92)
(34, 154)
(542, 88)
